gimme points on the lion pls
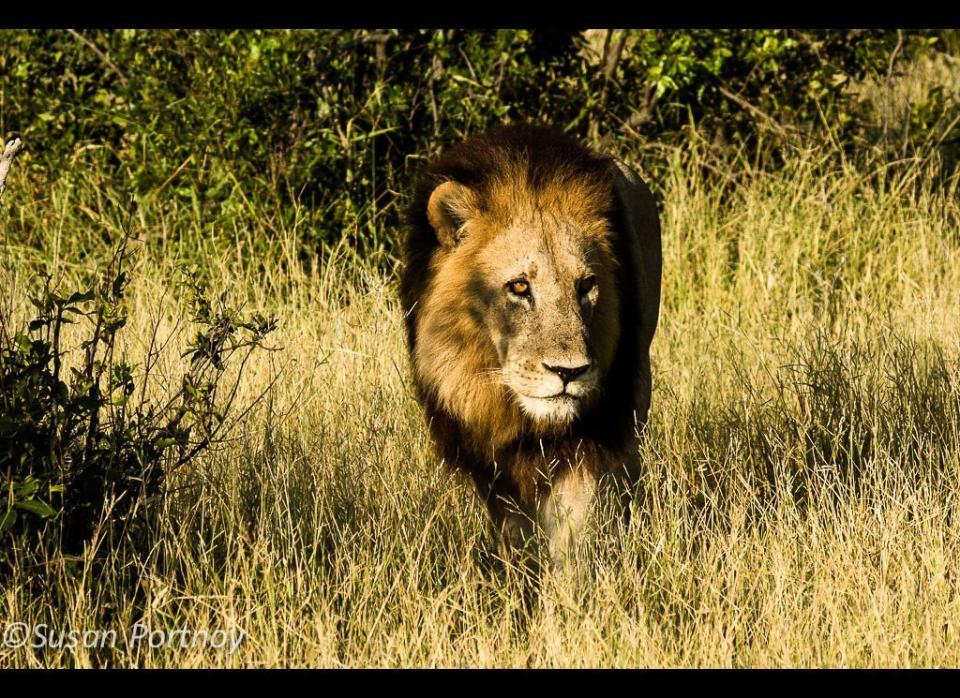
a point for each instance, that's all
(531, 287)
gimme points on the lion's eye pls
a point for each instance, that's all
(519, 287)
(587, 285)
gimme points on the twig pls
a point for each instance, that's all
(100, 54)
(612, 58)
(436, 69)
(606, 45)
(6, 159)
(887, 97)
(737, 99)
(946, 131)
(172, 176)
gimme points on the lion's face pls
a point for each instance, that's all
(524, 292)
(541, 285)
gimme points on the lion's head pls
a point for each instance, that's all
(517, 323)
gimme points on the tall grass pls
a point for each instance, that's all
(802, 460)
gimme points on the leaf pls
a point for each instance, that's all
(8, 425)
(79, 297)
(89, 402)
(115, 325)
(38, 507)
(9, 518)
(165, 443)
(119, 283)
(28, 487)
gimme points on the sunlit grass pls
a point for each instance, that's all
(802, 459)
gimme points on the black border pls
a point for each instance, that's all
(484, 14)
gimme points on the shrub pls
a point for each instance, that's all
(76, 446)
(338, 120)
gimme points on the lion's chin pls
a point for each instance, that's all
(558, 410)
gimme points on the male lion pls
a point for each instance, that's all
(532, 292)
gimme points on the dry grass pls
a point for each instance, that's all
(798, 506)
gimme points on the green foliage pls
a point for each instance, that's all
(337, 121)
(76, 445)
(784, 74)
(23, 497)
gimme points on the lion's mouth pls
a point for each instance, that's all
(559, 408)
(557, 397)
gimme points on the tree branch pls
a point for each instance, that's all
(611, 58)
(6, 159)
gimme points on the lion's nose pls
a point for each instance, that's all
(567, 373)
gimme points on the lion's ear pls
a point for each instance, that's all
(449, 207)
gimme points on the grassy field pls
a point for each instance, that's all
(798, 506)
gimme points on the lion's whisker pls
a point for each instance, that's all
(491, 375)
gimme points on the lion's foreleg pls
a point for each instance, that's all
(566, 513)
(513, 527)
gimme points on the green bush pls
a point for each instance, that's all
(76, 447)
(338, 120)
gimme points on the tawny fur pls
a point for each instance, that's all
(582, 231)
